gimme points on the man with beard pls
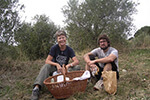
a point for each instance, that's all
(107, 60)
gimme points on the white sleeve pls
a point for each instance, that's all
(115, 52)
(96, 52)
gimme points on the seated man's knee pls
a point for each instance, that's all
(108, 67)
(46, 65)
(91, 57)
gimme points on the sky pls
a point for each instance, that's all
(52, 9)
(142, 18)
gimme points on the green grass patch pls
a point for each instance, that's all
(134, 83)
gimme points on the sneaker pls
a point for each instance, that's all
(99, 85)
(35, 94)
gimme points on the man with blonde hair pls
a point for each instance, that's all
(59, 54)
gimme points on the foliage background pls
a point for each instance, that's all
(24, 46)
(87, 20)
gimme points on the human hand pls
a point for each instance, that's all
(92, 67)
(59, 68)
(91, 62)
(67, 66)
(64, 69)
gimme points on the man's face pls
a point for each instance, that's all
(103, 44)
(61, 40)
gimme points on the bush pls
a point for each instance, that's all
(143, 40)
(8, 51)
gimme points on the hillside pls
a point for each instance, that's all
(16, 79)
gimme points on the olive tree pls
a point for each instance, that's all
(88, 19)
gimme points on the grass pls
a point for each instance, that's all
(134, 84)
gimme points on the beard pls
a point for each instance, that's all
(104, 48)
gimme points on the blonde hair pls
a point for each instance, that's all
(60, 32)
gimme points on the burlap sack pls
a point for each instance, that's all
(110, 81)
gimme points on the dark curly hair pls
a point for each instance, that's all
(103, 36)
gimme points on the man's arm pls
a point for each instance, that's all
(107, 59)
(49, 61)
(88, 61)
(74, 63)
(86, 57)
